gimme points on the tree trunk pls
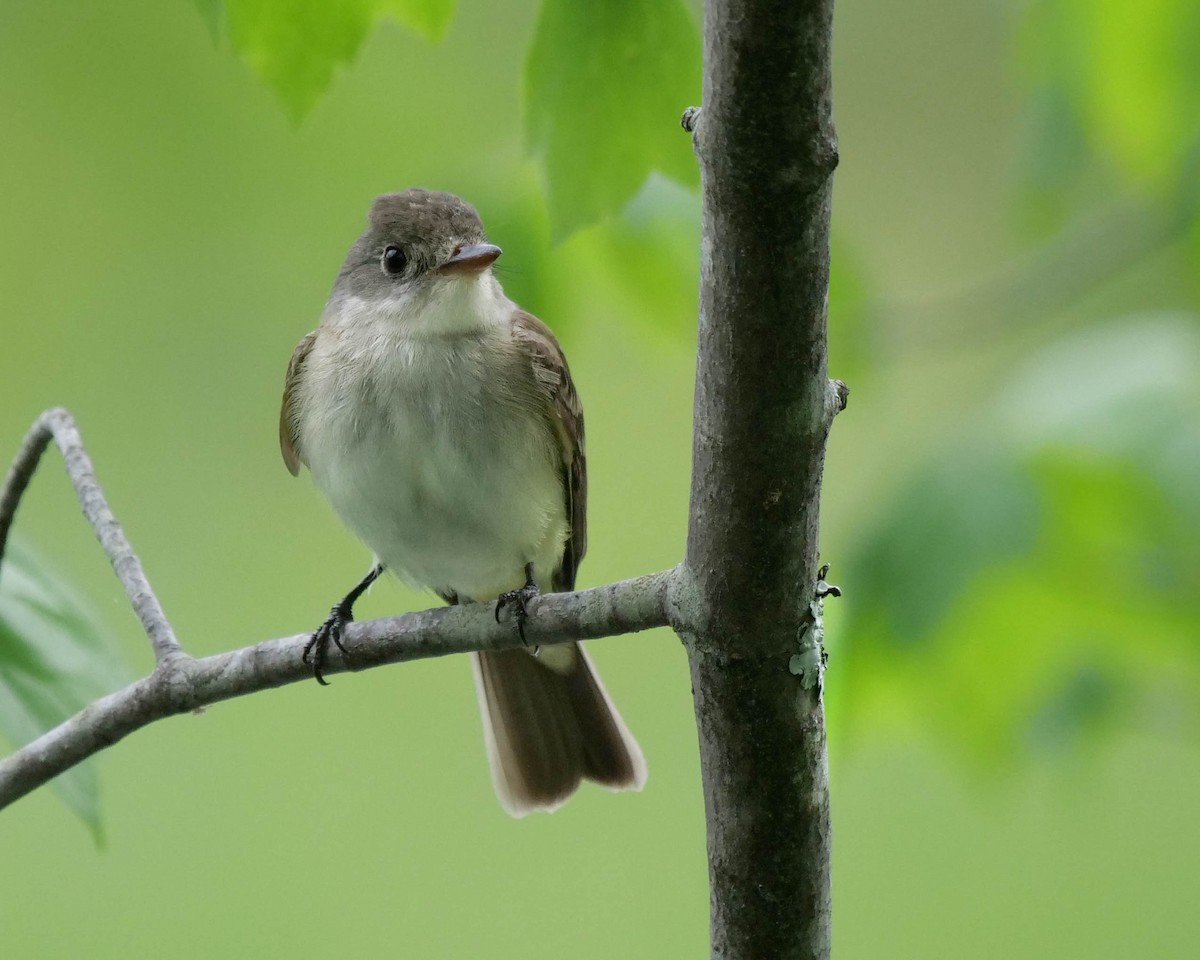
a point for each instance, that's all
(765, 141)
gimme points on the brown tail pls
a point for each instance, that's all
(549, 723)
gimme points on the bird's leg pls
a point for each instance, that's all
(519, 600)
(341, 614)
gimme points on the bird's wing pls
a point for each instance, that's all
(289, 441)
(566, 415)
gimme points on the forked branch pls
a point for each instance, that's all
(180, 683)
(58, 425)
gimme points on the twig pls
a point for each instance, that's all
(186, 684)
(59, 425)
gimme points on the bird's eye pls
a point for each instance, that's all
(394, 260)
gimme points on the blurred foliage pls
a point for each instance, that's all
(1038, 573)
(1035, 575)
(1113, 96)
(604, 82)
(603, 87)
(294, 46)
(55, 658)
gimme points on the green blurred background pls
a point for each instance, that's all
(1010, 502)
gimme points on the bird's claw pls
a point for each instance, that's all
(519, 601)
(318, 644)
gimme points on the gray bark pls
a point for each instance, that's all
(765, 141)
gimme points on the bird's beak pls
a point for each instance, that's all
(471, 258)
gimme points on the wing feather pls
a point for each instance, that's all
(289, 440)
(566, 414)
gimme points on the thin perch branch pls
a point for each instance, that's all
(59, 425)
(184, 684)
(180, 684)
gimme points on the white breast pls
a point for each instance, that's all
(429, 445)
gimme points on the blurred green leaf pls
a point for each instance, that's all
(971, 507)
(1193, 248)
(1142, 85)
(516, 219)
(429, 18)
(1041, 572)
(650, 255)
(1119, 82)
(1085, 700)
(296, 45)
(605, 85)
(212, 11)
(55, 658)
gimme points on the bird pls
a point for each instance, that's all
(441, 422)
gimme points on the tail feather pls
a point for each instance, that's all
(547, 728)
(611, 756)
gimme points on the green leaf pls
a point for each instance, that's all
(516, 219)
(295, 46)
(212, 11)
(970, 508)
(649, 255)
(55, 658)
(1142, 86)
(1085, 700)
(605, 85)
(1118, 89)
(429, 18)
(1037, 578)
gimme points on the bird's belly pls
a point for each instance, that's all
(456, 502)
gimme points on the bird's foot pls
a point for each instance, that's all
(519, 601)
(318, 644)
(335, 623)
